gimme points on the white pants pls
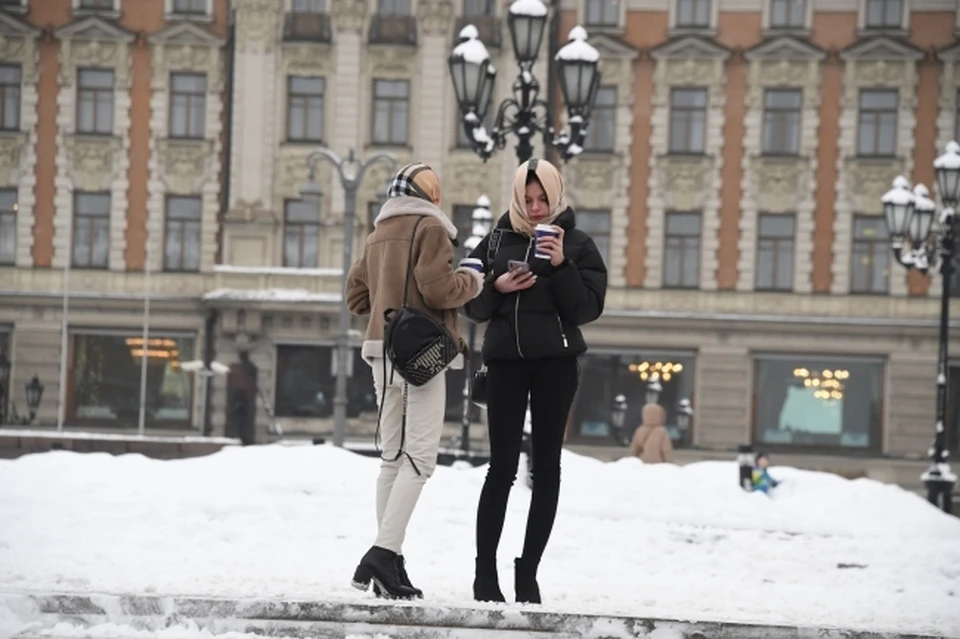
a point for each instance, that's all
(399, 484)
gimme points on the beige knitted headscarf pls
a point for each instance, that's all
(552, 183)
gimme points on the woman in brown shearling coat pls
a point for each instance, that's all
(651, 442)
(376, 282)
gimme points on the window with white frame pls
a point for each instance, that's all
(188, 105)
(95, 4)
(10, 97)
(788, 14)
(190, 7)
(95, 101)
(603, 13)
(884, 14)
(393, 7)
(603, 121)
(301, 234)
(391, 111)
(91, 229)
(877, 129)
(309, 6)
(693, 13)
(688, 120)
(596, 223)
(776, 236)
(681, 249)
(781, 121)
(181, 243)
(305, 101)
(8, 225)
(478, 8)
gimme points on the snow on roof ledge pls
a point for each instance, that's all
(287, 295)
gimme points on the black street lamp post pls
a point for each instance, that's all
(684, 417)
(34, 393)
(525, 113)
(350, 180)
(482, 223)
(618, 418)
(918, 243)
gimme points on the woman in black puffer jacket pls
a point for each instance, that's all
(530, 348)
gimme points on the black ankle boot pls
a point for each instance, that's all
(404, 579)
(486, 584)
(525, 581)
(382, 568)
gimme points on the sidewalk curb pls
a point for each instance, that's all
(39, 613)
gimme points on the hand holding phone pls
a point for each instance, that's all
(517, 266)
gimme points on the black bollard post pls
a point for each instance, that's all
(745, 461)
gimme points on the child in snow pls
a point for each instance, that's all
(651, 442)
(762, 481)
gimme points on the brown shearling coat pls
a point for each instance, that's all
(376, 280)
(651, 442)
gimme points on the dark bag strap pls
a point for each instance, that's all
(406, 280)
(387, 316)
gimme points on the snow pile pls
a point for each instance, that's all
(660, 541)
(269, 295)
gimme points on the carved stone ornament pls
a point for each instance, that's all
(306, 58)
(784, 71)
(392, 61)
(595, 175)
(92, 159)
(467, 178)
(244, 212)
(257, 20)
(779, 184)
(93, 53)
(692, 71)
(881, 72)
(683, 181)
(186, 159)
(868, 180)
(12, 48)
(436, 17)
(349, 15)
(11, 150)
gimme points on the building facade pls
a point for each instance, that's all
(732, 177)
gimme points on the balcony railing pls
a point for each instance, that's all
(393, 29)
(490, 29)
(307, 27)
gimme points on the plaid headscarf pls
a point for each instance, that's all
(415, 180)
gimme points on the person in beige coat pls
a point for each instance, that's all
(651, 442)
(375, 284)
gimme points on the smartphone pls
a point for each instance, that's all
(517, 265)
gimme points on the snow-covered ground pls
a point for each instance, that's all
(661, 541)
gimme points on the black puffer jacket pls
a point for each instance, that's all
(543, 320)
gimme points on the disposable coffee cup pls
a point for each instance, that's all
(472, 262)
(544, 230)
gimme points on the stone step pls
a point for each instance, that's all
(272, 618)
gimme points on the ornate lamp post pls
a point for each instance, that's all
(34, 393)
(525, 113)
(482, 223)
(684, 416)
(350, 180)
(918, 243)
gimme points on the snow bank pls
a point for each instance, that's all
(660, 541)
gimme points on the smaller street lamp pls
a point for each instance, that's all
(33, 390)
(654, 388)
(197, 366)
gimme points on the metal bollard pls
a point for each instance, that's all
(745, 460)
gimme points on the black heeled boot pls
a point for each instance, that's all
(525, 581)
(486, 583)
(404, 579)
(382, 568)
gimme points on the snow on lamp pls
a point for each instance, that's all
(469, 67)
(684, 414)
(527, 20)
(579, 77)
(898, 209)
(947, 168)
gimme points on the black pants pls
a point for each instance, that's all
(550, 385)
